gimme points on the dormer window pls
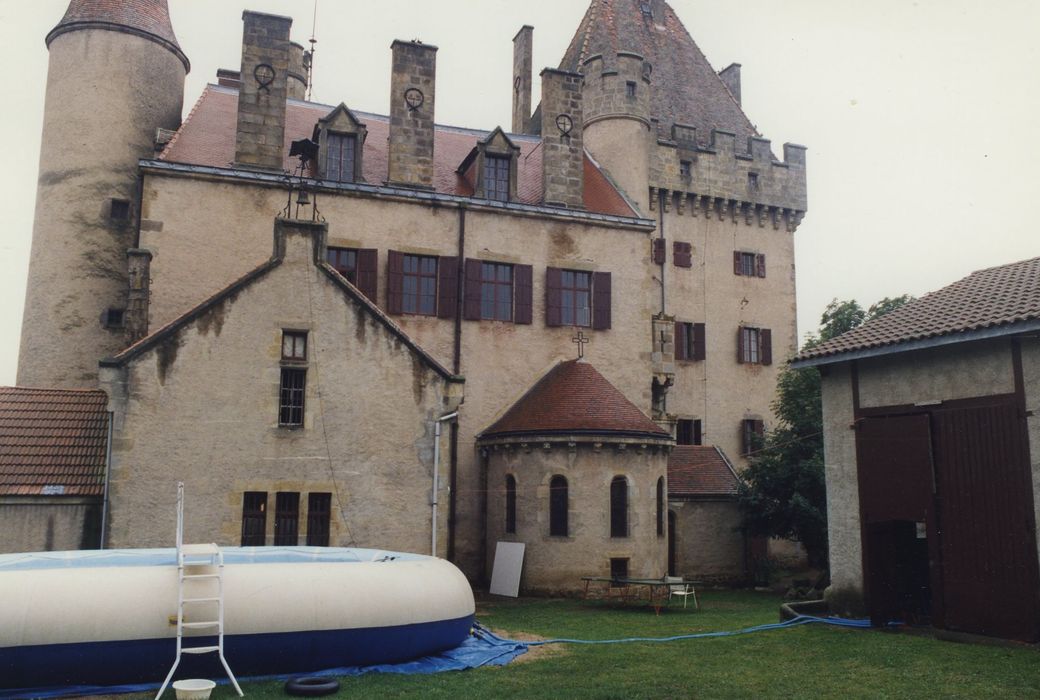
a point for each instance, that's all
(496, 177)
(340, 159)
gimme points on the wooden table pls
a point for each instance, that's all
(657, 590)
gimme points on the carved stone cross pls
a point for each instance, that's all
(581, 340)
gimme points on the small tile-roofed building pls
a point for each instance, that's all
(53, 463)
(482, 250)
(932, 453)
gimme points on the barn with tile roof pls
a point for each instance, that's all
(932, 451)
(631, 205)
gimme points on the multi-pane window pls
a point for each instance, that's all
(419, 285)
(496, 291)
(749, 264)
(619, 507)
(319, 512)
(345, 261)
(294, 346)
(755, 346)
(339, 163)
(254, 519)
(752, 431)
(688, 431)
(291, 396)
(286, 518)
(576, 298)
(510, 504)
(558, 506)
(496, 177)
(630, 90)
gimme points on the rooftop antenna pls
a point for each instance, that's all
(310, 54)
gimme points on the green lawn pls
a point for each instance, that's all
(810, 661)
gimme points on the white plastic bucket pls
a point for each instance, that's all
(193, 688)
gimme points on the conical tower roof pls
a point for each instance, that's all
(146, 18)
(686, 89)
(573, 398)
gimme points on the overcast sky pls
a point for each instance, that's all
(919, 116)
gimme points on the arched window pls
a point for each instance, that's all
(619, 507)
(660, 507)
(558, 506)
(510, 504)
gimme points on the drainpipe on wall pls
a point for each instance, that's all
(436, 478)
(108, 474)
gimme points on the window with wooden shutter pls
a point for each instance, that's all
(688, 431)
(394, 281)
(659, 251)
(523, 289)
(681, 348)
(319, 517)
(553, 296)
(496, 291)
(749, 264)
(447, 286)
(682, 254)
(752, 431)
(760, 265)
(344, 261)
(286, 518)
(471, 291)
(689, 341)
(700, 342)
(601, 301)
(418, 285)
(754, 346)
(254, 519)
(368, 273)
(765, 340)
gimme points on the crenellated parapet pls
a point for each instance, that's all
(617, 87)
(725, 181)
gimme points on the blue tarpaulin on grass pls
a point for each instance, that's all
(479, 649)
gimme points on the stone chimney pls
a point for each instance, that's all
(731, 77)
(297, 72)
(412, 98)
(563, 154)
(135, 325)
(260, 139)
(523, 45)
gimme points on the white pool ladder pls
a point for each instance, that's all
(200, 569)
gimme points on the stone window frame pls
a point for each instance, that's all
(292, 385)
(319, 518)
(286, 518)
(754, 345)
(254, 510)
(559, 520)
(661, 497)
(497, 144)
(510, 504)
(341, 122)
(497, 287)
(620, 525)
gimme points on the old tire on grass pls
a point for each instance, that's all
(311, 686)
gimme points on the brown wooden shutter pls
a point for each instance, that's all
(553, 300)
(447, 286)
(740, 346)
(700, 351)
(471, 294)
(523, 294)
(368, 272)
(682, 254)
(680, 341)
(737, 268)
(760, 265)
(394, 281)
(601, 300)
(765, 352)
(659, 251)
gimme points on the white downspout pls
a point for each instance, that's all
(436, 478)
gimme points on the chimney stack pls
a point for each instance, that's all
(412, 98)
(563, 154)
(260, 139)
(523, 44)
(731, 77)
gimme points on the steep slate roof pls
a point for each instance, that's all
(147, 18)
(700, 471)
(997, 298)
(686, 89)
(573, 398)
(52, 442)
(207, 137)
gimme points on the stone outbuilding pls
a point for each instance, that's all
(706, 539)
(932, 449)
(53, 459)
(579, 474)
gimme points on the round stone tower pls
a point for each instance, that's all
(115, 75)
(617, 132)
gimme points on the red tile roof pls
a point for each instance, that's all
(52, 442)
(700, 470)
(686, 89)
(150, 18)
(207, 137)
(990, 298)
(573, 398)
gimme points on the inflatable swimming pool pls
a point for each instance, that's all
(109, 617)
